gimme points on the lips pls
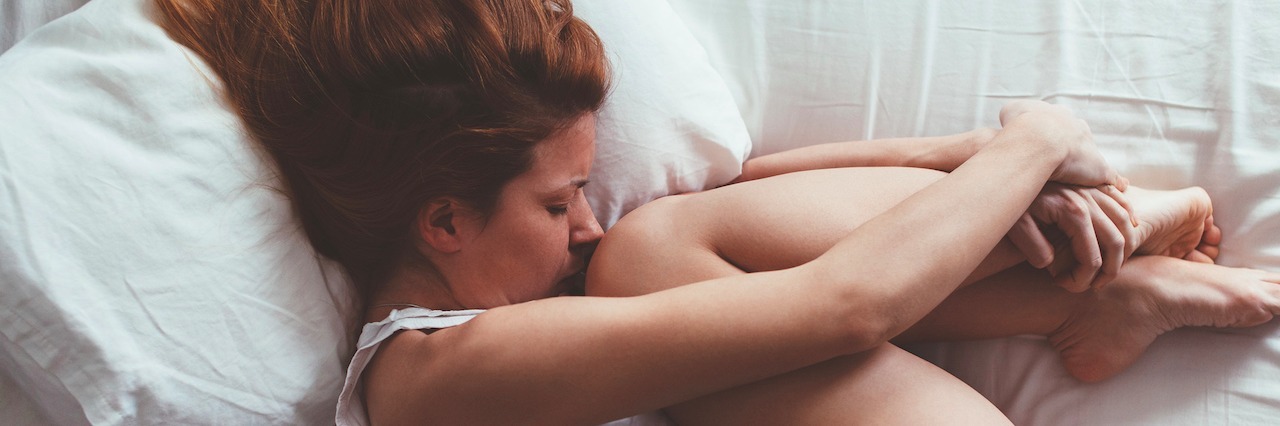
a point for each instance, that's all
(572, 285)
(576, 282)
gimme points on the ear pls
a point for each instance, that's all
(438, 225)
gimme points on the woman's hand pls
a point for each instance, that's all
(1099, 223)
(1056, 124)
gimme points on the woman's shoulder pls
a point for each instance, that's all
(407, 347)
(409, 335)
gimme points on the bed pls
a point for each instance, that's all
(150, 273)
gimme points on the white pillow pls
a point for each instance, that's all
(670, 124)
(150, 273)
(20, 17)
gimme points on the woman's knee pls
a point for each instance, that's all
(650, 249)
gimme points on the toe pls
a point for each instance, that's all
(1212, 233)
(1198, 255)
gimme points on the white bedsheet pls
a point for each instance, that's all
(1176, 95)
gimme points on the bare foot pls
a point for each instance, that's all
(1170, 223)
(1155, 294)
(1175, 223)
(1207, 250)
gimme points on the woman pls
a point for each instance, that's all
(437, 149)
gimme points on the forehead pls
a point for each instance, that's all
(567, 152)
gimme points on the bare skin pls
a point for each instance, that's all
(1156, 294)
(884, 385)
(1163, 214)
(586, 360)
(1176, 224)
(1098, 333)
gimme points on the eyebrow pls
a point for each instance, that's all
(573, 184)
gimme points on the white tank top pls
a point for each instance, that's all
(351, 411)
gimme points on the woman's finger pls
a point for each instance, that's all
(1118, 196)
(1119, 216)
(1074, 221)
(1029, 240)
(1111, 242)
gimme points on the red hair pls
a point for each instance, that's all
(370, 108)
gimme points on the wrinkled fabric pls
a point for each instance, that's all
(1176, 96)
(150, 272)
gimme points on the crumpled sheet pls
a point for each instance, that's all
(1177, 95)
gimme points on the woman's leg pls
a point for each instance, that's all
(1097, 333)
(885, 385)
(1100, 333)
(783, 222)
(680, 240)
(761, 225)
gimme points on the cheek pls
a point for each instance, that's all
(552, 242)
(539, 259)
(542, 243)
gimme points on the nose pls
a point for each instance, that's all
(585, 230)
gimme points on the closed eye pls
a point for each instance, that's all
(558, 210)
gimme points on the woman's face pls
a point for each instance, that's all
(534, 244)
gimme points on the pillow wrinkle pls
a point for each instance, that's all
(152, 272)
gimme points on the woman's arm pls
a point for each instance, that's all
(943, 153)
(587, 360)
(1088, 236)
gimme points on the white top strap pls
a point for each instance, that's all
(351, 410)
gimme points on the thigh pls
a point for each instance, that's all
(788, 220)
(772, 224)
(761, 225)
(886, 385)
